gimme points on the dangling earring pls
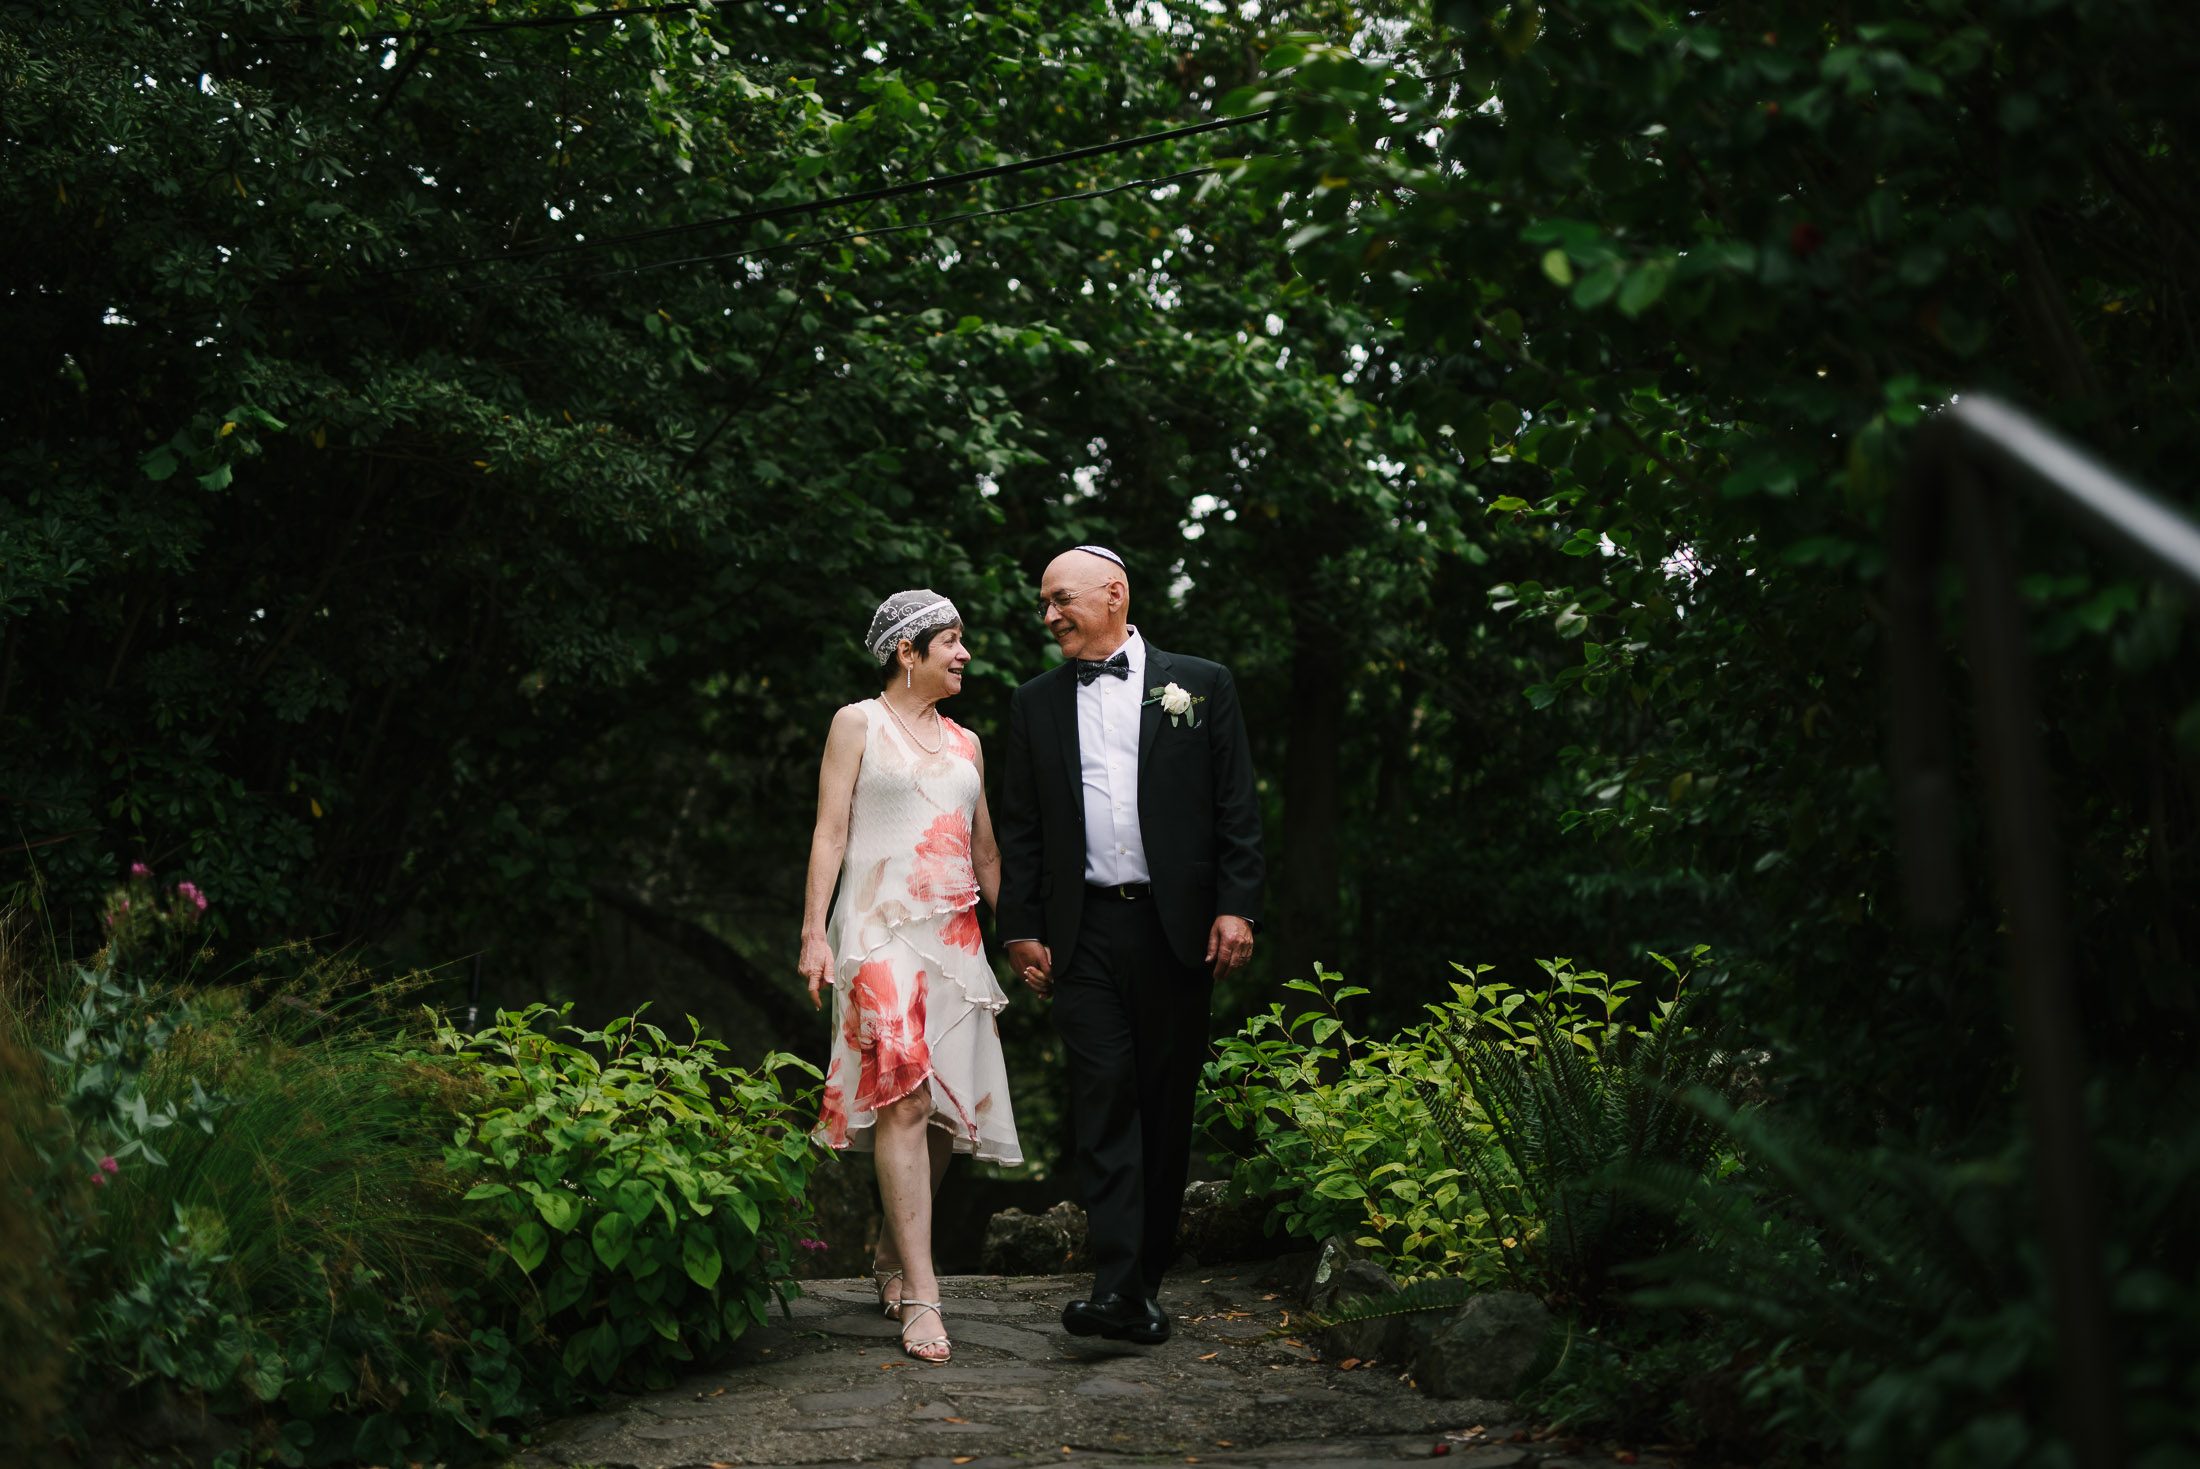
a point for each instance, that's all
(908, 676)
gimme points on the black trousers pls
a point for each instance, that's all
(1133, 1020)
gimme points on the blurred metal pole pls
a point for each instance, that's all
(1977, 448)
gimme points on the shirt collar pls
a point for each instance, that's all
(1134, 654)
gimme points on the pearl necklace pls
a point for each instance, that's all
(931, 749)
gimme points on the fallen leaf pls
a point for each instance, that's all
(1223, 1443)
(1269, 1297)
(1292, 1341)
(1348, 1364)
(716, 1392)
(963, 1459)
(956, 1420)
(1210, 1356)
(1625, 1456)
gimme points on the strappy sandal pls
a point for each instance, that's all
(883, 1279)
(916, 1349)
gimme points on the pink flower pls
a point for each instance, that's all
(109, 1165)
(191, 891)
(812, 1244)
(99, 1180)
(139, 869)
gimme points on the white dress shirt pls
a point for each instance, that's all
(1107, 740)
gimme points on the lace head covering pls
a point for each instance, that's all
(907, 614)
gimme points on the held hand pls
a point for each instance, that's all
(1229, 945)
(1033, 963)
(816, 966)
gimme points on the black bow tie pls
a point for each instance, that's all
(1089, 669)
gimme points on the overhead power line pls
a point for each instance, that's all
(864, 233)
(865, 196)
(531, 23)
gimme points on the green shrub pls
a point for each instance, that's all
(1328, 1128)
(1893, 1306)
(264, 1225)
(649, 1192)
(1580, 1108)
(35, 1303)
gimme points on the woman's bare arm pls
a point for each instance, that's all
(985, 853)
(836, 785)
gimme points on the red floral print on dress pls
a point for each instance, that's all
(941, 871)
(960, 931)
(959, 741)
(832, 1109)
(894, 1059)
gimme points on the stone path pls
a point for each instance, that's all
(831, 1388)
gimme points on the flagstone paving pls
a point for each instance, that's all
(829, 1387)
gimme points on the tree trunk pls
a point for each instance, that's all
(1306, 895)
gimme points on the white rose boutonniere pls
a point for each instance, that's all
(1177, 702)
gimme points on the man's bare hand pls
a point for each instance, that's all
(1229, 945)
(1033, 963)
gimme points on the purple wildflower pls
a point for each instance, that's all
(139, 869)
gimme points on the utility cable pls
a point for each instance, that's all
(430, 34)
(864, 233)
(865, 196)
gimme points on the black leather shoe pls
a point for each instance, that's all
(1118, 1318)
(1154, 1329)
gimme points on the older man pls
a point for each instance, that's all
(1131, 873)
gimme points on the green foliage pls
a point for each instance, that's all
(1397, 1145)
(261, 1211)
(1417, 1298)
(1328, 1127)
(36, 1309)
(265, 1227)
(1890, 1303)
(1576, 1104)
(1677, 283)
(647, 1191)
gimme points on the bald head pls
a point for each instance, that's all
(1080, 567)
(1085, 602)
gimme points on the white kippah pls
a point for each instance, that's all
(907, 615)
(1104, 553)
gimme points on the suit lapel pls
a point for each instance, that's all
(1158, 668)
(1064, 698)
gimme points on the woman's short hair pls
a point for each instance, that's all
(922, 642)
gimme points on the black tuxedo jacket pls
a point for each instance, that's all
(1197, 813)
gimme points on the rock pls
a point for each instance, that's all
(1052, 1243)
(1343, 1275)
(1218, 1227)
(1489, 1347)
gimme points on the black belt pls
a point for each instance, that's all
(1124, 892)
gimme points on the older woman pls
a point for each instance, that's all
(916, 1071)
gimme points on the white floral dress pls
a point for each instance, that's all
(914, 997)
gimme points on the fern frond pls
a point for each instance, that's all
(1438, 1293)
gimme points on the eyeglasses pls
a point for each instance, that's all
(1061, 600)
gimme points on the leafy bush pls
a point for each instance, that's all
(1892, 1305)
(650, 1192)
(257, 1218)
(1577, 1106)
(1338, 1132)
(263, 1225)
(35, 1306)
